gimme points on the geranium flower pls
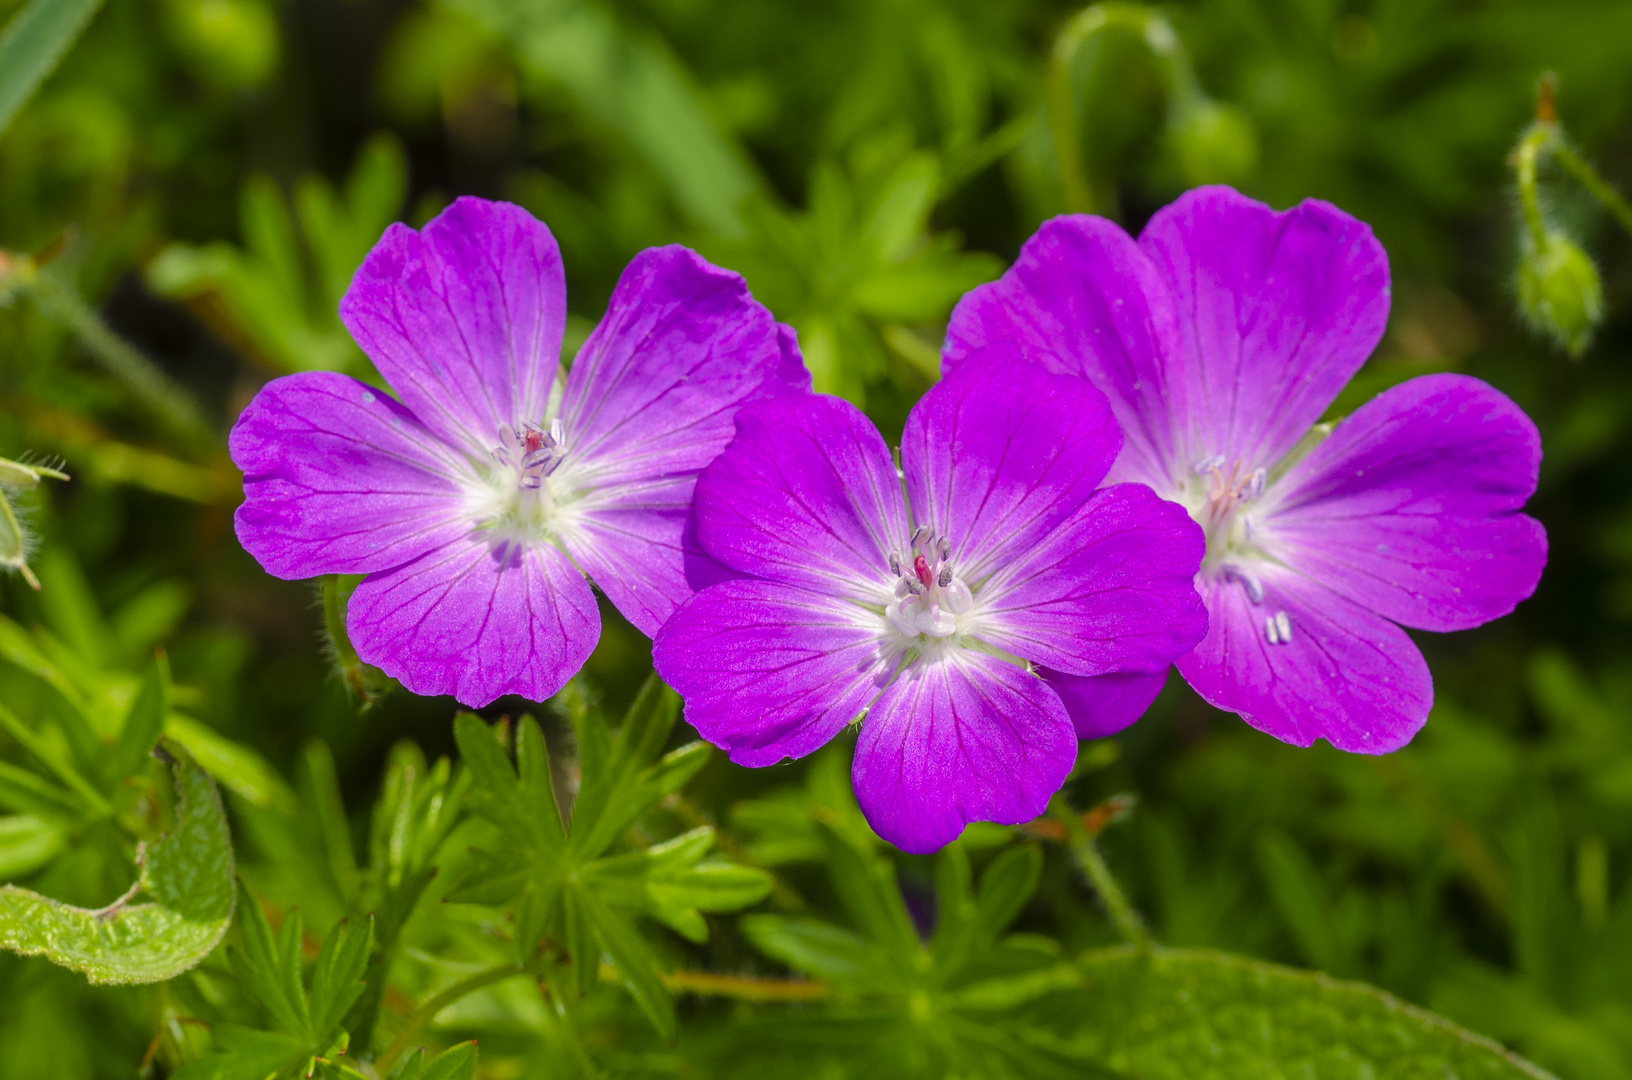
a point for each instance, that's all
(1221, 337)
(479, 502)
(918, 602)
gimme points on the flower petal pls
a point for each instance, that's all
(1111, 588)
(1102, 705)
(477, 620)
(1276, 311)
(1410, 506)
(998, 454)
(340, 479)
(651, 400)
(959, 738)
(1344, 675)
(769, 671)
(1084, 299)
(805, 494)
(464, 319)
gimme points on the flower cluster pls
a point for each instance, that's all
(1122, 468)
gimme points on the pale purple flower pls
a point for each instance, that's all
(1221, 336)
(919, 601)
(479, 502)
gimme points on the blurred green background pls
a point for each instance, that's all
(206, 174)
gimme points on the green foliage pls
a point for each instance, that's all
(184, 197)
(1201, 1015)
(31, 46)
(186, 874)
(555, 869)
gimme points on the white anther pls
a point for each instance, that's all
(946, 577)
(1208, 464)
(895, 565)
(1248, 580)
(1284, 625)
(1255, 487)
(1270, 631)
(921, 536)
(558, 434)
(945, 548)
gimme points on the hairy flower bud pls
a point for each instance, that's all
(1559, 292)
(1213, 143)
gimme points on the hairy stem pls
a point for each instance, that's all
(1158, 37)
(1525, 159)
(1092, 864)
(1590, 179)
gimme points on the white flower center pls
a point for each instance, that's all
(518, 501)
(929, 598)
(1220, 498)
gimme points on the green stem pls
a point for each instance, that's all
(1589, 178)
(1525, 159)
(1157, 35)
(117, 356)
(1092, 864)
(436, 1003)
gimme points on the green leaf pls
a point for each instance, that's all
(1200, 1015)
(144, 722)
(811, 946)
(238, 768)
(33, 42)
(1005, 886)
(26, 793)
(260, 967)
(457, 1062)
(337, 980)
(28, 843)
(187, 875)
(637, 965)
(635, 87)
(668, 882)
(245, 1054)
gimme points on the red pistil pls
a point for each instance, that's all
(533, 440)
(920, 566)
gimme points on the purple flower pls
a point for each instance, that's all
(1220, 337)
(918, 601)
(478, 503)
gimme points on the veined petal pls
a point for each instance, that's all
(1410, 506)
(1102, 705)
(1084, 299)
(958, 738)
(341, 479)
(1342, 673)
(1277, 311)
(464, 319)
(477, 619)
(770, 671)
(651, 400)
(1111, 588)
(805, 494)
(997, 454)
(653, 391)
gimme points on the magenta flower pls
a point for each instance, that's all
(478, 504)
(917, 602)
(1220, 337)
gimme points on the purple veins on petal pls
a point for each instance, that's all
(475, 512)
(1219, 337)
(926, 630)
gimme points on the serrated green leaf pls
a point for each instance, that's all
(1200, 1015)
(244, 1054)
(31, 46)
(337, 978)
(866, 885)
(187, 876)
(668, 882)
(143, 723)
(813, 947)
(457, 1062)
(260, 967)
